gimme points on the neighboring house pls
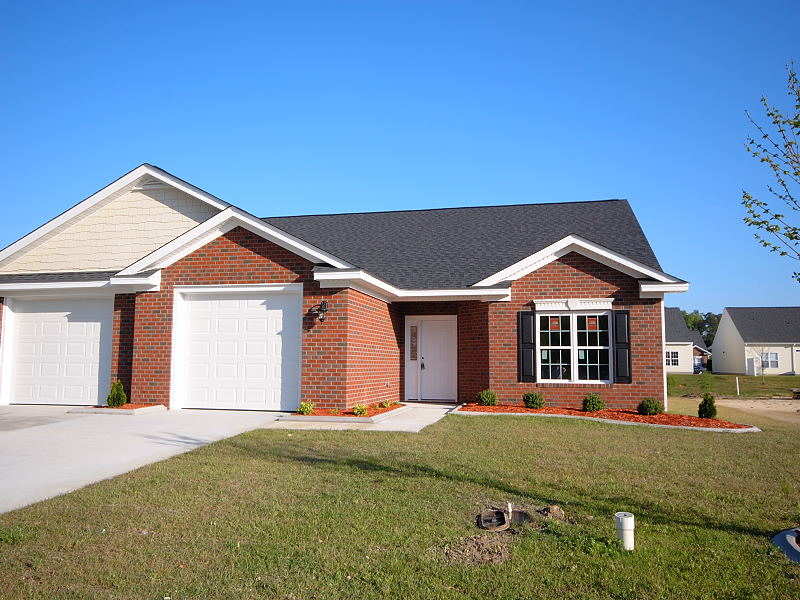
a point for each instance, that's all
(684, 348)
(756, 340)
(194, 303)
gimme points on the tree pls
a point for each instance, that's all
(705, 323)
(776, 147)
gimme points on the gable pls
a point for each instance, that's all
(115, 232)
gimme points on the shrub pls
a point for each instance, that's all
(386, 404)
(117, 397)
(650, 406)
(306, 408)
(707, 408)
(334, 411)
(593, 402)
(533, 399)
(360, 410)
(487, 398)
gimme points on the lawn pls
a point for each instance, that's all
(353, 514)
(725, 385)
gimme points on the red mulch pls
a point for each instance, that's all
(129, 406)
(330, 412)
(608, 413)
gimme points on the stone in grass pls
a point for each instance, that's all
(553, 512)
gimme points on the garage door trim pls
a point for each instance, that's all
(179, 322)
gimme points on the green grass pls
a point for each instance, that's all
(353, 514)
(725, 385)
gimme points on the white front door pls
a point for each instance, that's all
(432, 358)
(60, 351)
(239, 350)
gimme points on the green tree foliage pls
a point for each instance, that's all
(705, 323)
(775, 146)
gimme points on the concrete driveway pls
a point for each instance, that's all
(46, 451)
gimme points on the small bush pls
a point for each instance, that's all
(533, 400)
(334, 411)
(593, 402)
(650, 406)
(707, 408)
(360, 410)
(306, 408)
(116, 397)
(487, 398)
(386, 404)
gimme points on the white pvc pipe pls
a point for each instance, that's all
(625, 526)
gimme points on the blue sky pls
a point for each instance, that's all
(315, 107)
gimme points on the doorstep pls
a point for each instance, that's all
(89, 410)
(375, 419)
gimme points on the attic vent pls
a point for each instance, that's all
(150, 184)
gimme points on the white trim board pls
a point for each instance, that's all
(575, 243)
(111, 286)
(220, 224)
(116, 187)
(377, 288)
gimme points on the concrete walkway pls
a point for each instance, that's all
(45, 451)
(415, 419)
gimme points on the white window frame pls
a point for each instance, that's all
(770, 363)
(672, 358)
(573, 347)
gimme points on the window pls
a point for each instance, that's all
(573, 347)
(672, 358)
(769, 360)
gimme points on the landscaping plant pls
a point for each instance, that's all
(593, 402)
(386, 404)
(117, 397)
(360, 410)
(306, 408)
(650, 406)
(487, 398)
(707, 408)
(533, 399)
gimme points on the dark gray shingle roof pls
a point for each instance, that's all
(675, 329)
(79, 277)
(457, 247)
(697, 339)
(767, 324)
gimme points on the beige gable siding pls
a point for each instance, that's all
(685, 358)
(116, 234)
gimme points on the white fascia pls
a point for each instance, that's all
(220, 224)
(575, 243)
(574, 304)
(113, 188)
(111, 286)
(372, 286)
(649, 289)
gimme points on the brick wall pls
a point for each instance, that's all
(374, 350)
(575, 276)
(122, 332)
(240, 257)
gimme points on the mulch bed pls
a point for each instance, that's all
(332, 412)
(608, 413)
(128, 406)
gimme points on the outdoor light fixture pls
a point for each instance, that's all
(323, 308)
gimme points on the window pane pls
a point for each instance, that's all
(592, 330)
(592, 365)
(555, 364)
(554, 330)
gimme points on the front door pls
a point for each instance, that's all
(431, 358)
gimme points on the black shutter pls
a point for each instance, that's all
(526, 341)
(622, 346)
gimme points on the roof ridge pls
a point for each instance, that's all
(409, 210)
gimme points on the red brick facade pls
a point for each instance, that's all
(357, 354)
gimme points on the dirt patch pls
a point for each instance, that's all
(780, 409)
(372, 410)
(487, 548)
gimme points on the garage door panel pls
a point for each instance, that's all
(61, 350)
(242, 341)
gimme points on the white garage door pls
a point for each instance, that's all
(61, 351)
(241, 351)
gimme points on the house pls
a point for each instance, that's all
(192, 302)
(758, 340)
(684, 348)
